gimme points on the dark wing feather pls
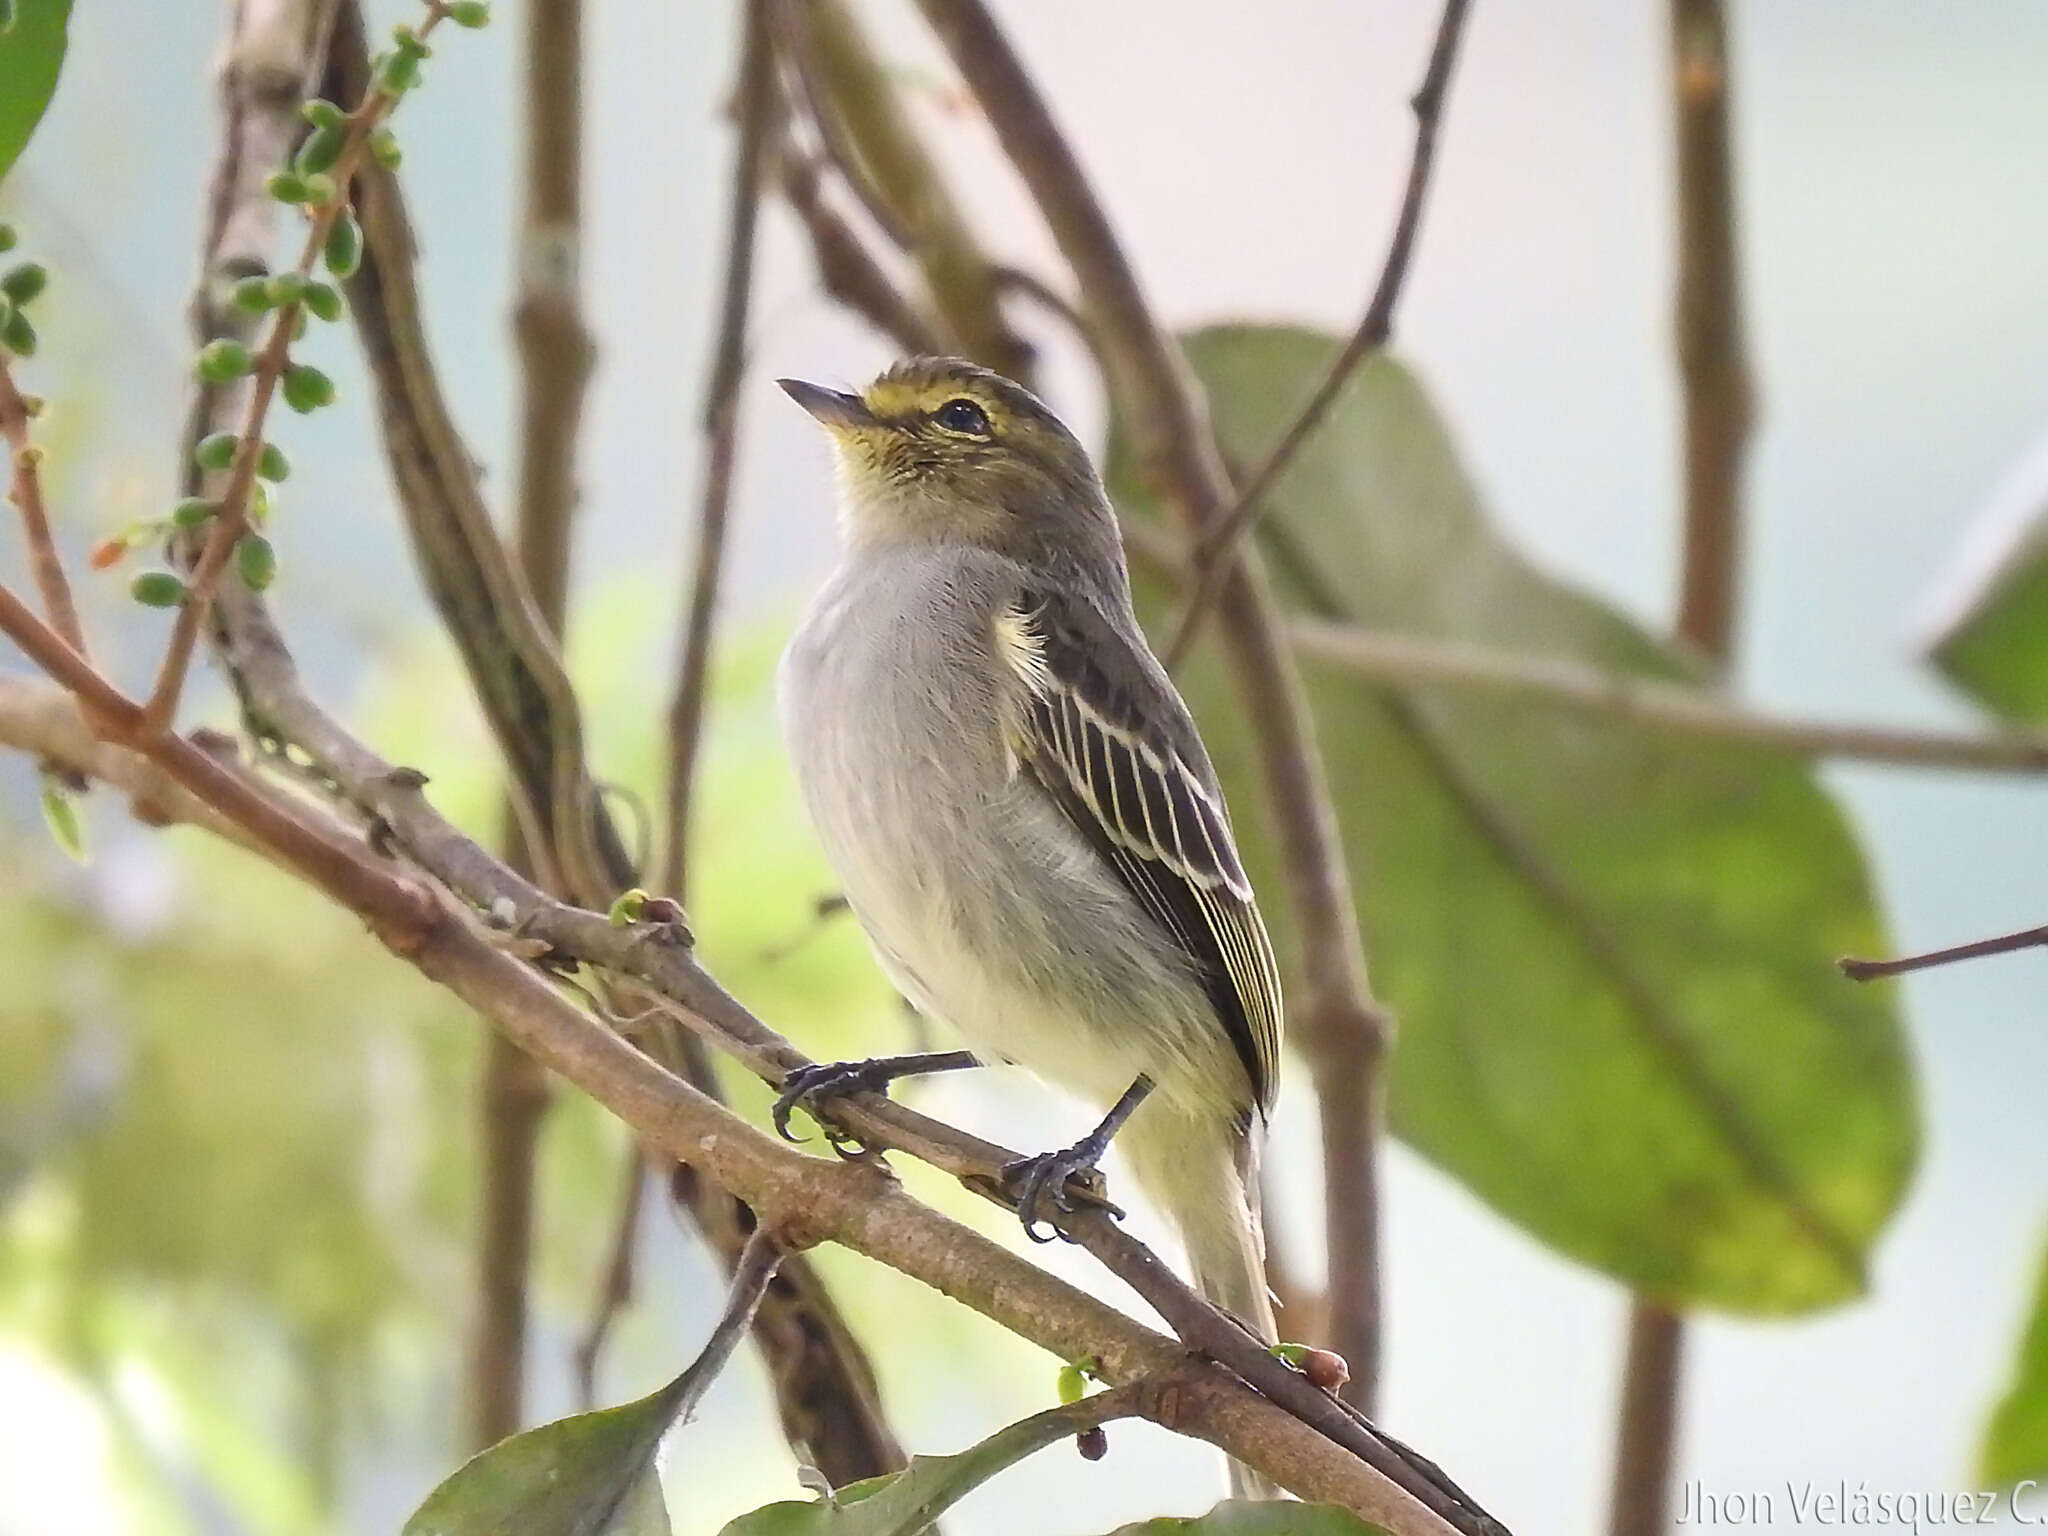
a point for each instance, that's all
(1106, 737)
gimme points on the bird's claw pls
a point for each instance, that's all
(1057, 1176)
(811, 1086)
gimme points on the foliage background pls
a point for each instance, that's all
(204, 1200)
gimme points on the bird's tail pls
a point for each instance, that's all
(1203, 1172)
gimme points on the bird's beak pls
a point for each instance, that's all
(829, 406)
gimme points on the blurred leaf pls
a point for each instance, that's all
(1609, 952)
(31, 53)
(2016, 1441)
(907, 1502)
(590, 1475)
(1988, 630)
(1236, 1517)
(60, 815)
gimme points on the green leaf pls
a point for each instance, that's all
(1609, 952)
(1989, 631)
(1236, 1517)
(31, 54)
(2016, 1440)
(590, 1475)
(907, 1502)
(61, 816)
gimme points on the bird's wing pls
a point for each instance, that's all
(1107, 738)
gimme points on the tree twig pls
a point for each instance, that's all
(1342, 1029)
(755, 107)
(1716, 393)
(1634, 700)
(1373, 331)
(2004, 944)
(615, 1286)
(25, 490)
(750, 1280)
(860, 120)
(847, 270)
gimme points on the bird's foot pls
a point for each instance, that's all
(813, 1086)
(1059, 1177)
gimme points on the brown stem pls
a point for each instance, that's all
(802, 1198)
(1641, 1497)
(2004, 944)
(859, 115)
(1341, 1027)
(513, 1098)
(231, 519)
(26, 492)
(1374, 330)
(615, 1289)
(755, 106)
(1715, 383)
(1645, 703)
(847, 270)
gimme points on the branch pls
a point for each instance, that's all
(856, 108)
(1342, 1028)
(1717, 417)
(1372, 334)
(2004, 944)
(803, 1199)
(1388, 657)
(756, 108)
(847, 271)
(26, 492)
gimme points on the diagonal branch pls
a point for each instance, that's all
(1373, 332)
(1342, 1029)
(2004, 944)
(756, 108)
(25, 490)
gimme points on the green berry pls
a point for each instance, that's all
(286, 187)
(323, 301)
(252, 294)
(384, 149)
(259, 502)
(7, 237)
(255, 561)
(216, 451)
(271, 463)
(344, 245)
(24, 282)
(320, 188)
(193, 511)
(59, 814)
(318, 154)
(470, 13)
(222, 361)
(157, 589)
(306, 388)
(285, 288)
(17, 335)
(321, 113)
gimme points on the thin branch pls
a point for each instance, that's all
(25, 490)
(231, 519)
(805, 1199)
(556, 356)
(1342, 1029)
(2004, 944)
(858, 112)
(1374, 330)
(847, 270)
(1716, 392)
(756, 108)
(1635, 700)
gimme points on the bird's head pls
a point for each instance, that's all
(938, 450)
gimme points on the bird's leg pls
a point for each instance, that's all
(813, 1085)
(1031, 1179)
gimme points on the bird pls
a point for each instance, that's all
(1020, 811)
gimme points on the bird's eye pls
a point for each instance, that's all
(962, 415)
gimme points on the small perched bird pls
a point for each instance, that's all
(1020, 811)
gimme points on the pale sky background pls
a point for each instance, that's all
(1891, 156)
